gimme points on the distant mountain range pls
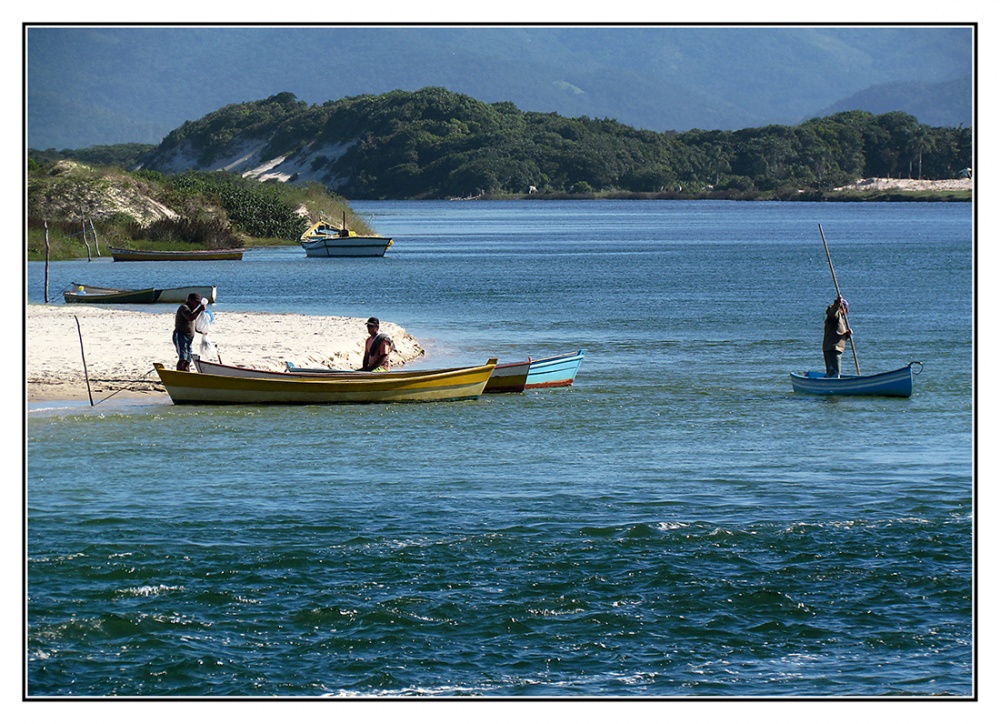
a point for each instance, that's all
(107, 85)
(934, 104)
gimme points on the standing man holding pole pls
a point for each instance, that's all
(835, 335)
(844, 332)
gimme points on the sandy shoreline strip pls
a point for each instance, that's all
(905, 184)
(121, 346)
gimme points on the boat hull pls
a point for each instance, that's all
(558, 371)
(209, 389)
(83, 294)
(509, 378)
(200, 255)
(346, 246)
(179, 295)
(88, 294)
(897, 383)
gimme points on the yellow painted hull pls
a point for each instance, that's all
(187, 388)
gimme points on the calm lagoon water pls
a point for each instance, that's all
(676, 524)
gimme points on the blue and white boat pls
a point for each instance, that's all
(558, 371)
(897, 383)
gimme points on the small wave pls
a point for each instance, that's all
(546, 612)
(146, 591)
(325, 616)
(665, 526)
(412, 691)
(55, 559)
(639, 530)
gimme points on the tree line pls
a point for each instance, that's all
(433, 143)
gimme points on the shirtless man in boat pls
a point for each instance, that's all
(377, 349)
(184, 320)
(835, 335)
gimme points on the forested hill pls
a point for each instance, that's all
(433, 143)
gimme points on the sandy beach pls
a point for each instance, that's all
(120, 347)
(905, 184)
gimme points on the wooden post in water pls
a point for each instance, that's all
(97, 247)
(84, 225)
(45, 223)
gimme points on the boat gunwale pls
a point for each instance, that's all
(316, 373)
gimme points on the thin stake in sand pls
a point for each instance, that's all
(84, 356)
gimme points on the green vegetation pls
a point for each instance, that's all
(147, 209)
(436, 144)
(433, 143)
(123, 155)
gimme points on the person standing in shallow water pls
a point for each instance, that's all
(835, 335)
(184, 320)
(377, 348)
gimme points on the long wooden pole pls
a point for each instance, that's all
(46, 224)
(837, 287)
(85, 375)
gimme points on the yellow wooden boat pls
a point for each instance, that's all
(187, 388)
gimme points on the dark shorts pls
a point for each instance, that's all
(182, 343)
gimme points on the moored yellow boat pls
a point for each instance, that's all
(464, 383)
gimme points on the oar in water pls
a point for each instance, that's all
(837, 286)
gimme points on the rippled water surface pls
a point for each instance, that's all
(676, 524)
